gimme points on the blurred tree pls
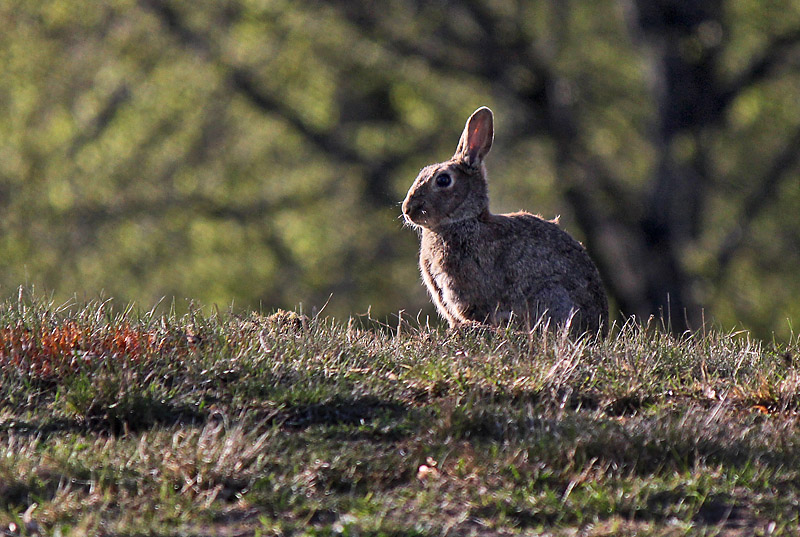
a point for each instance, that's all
(255, 151)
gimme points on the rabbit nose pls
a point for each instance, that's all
(412, 206)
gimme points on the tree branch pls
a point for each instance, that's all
(116, 101)
(758, 200)
(245, 82)
(759, 68)
(439, 53)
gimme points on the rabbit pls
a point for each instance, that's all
(489, 269)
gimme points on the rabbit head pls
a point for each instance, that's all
(455, 190)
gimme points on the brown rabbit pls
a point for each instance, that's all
(489, 268)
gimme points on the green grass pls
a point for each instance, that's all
(146, 424)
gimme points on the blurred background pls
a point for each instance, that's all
(255, 153)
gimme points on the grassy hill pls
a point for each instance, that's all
(146, 424)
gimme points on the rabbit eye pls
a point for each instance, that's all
(444, 180)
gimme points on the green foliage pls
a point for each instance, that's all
(142, 422)
(253, 153)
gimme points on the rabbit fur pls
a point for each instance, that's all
(484, 268)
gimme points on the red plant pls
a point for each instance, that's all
(53, 352)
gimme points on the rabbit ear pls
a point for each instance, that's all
(476, 140)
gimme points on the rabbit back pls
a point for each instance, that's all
(498, 267)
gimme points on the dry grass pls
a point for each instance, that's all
(146, 424)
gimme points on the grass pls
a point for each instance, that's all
(131, 423)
